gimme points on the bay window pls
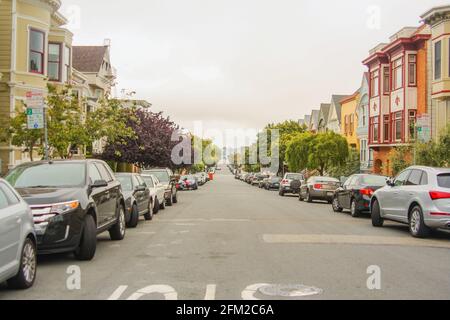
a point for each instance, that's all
(437, 60)
(398, 126)
(66, 63)
(386, 129)
(386, 80)
(412, 125)
(36, 51)
(374, 83)
(397, 72)
(54, 62)
(412, 70)
(375, 125)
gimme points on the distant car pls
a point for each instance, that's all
(291, 183)
(273, 183)
(157, 192)
(319, 188)
(17, 240)
(356, 193)
(201, 178)
(263, 182)
(138, 201)
(257, 179)
(419, 197)
(189, 182)
(71, 201)
(167, 178)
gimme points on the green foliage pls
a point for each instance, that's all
(298, 150)
(435, 154)
(400, 159)
(350, 167)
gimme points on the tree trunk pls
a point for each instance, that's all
(31, 149)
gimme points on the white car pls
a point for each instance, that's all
(291, 183)
(419, 197)
(17, 240)
(157, 191)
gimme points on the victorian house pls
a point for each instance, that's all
(323, 117)
(362, 129)
(438, 19)
(35, 49)
(334, 116)
(349, 120)
(398, 92)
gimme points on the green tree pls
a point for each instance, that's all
(400, 159)
(298, 150)
(327, 150)
(435, 154)
(64, 122)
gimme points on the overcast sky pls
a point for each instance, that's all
(240, 63)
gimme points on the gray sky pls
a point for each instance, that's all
(240, 63)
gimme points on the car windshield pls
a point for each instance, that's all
(148, 181)
(377, 181)
(294, 177)
(275, 180)
(444, 180)
(162, 176)
(55, 175)
(125, 181)
(325, 179)
(187, 178)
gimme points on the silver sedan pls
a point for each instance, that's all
(419, 197)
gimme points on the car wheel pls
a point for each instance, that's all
(163, 204)
(308, 197)
(149, 215)
(336, 206)
(27, 271)
(417, 224)
(377, 220)
(353, 210)
(134, 219)
(117, 232)
(300, 197)
(175, 198)
(156, 207)
(169, 202)
(281, 193)
(88, 243)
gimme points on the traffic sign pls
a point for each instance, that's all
(35, 118)
(423, 126)
(35, 99)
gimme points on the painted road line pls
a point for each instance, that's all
(330, 239)
(210, 292)
(118, 293)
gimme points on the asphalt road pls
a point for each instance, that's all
(220, 240)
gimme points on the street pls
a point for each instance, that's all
(228, 236)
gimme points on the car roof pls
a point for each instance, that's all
(430, 169)
(126, 174)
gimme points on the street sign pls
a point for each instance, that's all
(35, 118)
(35, 99)
(423, 126)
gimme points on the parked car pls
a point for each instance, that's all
(319, 188)
(166, 177)
(257, 179)
(201, 178)
(138, 201)
(263, 182)
(157, 192)
(72, 202)
(291, 183)
(17, 240)
(356, 193)
(419, 197)
(189, 182)
(273, 183)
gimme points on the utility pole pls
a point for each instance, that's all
(46, 155)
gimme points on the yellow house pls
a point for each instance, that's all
(349, 120)
(34, 50)
(438, 19)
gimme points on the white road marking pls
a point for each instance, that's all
(353, 240)
(210, 292)
(118, 293)
(249, 292)
(168, 292)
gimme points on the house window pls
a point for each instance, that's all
(397, 70)
(66, 63)
(398, 125)
(437, 60)
(54, 62)
(364, 117)
(363, 150)
(346, 125)
(412, 125)
(37, 50)
(412, 67)
(352, 124)
(386, 80)
(374, 83)
(386, 129)
(375, 129)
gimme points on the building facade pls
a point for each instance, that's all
(398, 92)
(349, 120)
(438, 19)
(323, 117)
(334, 116)
(362, 130)
(35, 50)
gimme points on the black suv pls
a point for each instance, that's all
(166, 177)
(72, 202)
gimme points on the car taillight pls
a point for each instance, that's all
(318, 186)
(285, 181)
(367, 192)
(437, 195)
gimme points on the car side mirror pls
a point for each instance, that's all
(99, 184)
(139, 188)
(390, 182)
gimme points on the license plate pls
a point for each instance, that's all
(330, 194)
